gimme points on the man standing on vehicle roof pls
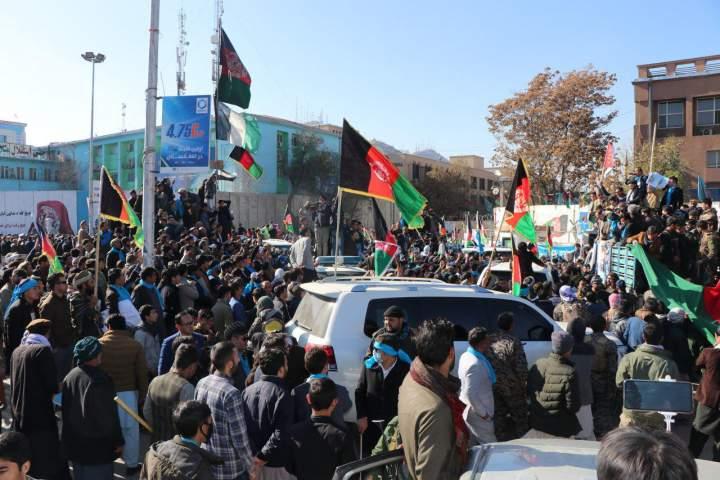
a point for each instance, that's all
(394, 322)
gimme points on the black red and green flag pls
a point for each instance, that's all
(234, 80)
(516, 274)
(365, 170)
(288, 220)
(469, 243)
(549, 241)
(114, 206)
(245, 158)
(265, 232)
(517, 210)
(701, 304)
(49, 251)
(386, 246)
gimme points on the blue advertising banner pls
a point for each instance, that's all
(185, 143)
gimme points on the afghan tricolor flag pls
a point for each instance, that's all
(469, 243)
(549, 241)
(609, 160)
(239, 128)
(701, 304)
(234, 81)
(364, 170)
(49, 251)
(516, 274)
(244, 158)
(288, 220)
(114, 206)
(517, 211)
(386, 246)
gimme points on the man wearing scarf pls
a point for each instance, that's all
(394, 322)
(377, 391)
(90, 426)
(430, 414)
(115, 254)
(22, 311)
(477, 377)
(118, 299)
(34, 380)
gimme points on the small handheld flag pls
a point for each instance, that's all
(517, 210)
(114, 206)
(49, 251)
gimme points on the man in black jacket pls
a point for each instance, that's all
(268, 412)
(90, 426)
(34, 380)
(22, 311)
(673, 195)
(318, 444)
(376, 396)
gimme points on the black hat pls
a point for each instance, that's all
(394, 311)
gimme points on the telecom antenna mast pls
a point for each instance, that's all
(216, 41)
(124, 127)
(181, 53)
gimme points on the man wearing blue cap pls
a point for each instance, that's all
(91, 430)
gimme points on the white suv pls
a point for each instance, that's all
(340, 315)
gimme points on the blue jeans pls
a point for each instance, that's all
(130, 429)
(93, 472)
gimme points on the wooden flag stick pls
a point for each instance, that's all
(132, 413)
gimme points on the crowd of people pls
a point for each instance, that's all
(193, 347)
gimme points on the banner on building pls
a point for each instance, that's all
(55, 211)
(185, 144)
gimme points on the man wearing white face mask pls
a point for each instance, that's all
(376, 396)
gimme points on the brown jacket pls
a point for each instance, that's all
(709, 391)
(123, 359)
(57, 310)
(426, 428)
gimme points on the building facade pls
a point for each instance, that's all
(681, 98)
(24, 167)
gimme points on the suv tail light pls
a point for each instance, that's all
(329, 351)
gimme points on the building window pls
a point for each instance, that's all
(33, 173)
(708, 111)
(20, 173)
(481, 183)
(57, 175)
(415, 171)
(670, 115)
(712, 158)
(3, 138)
(3, 172)
(473, 182)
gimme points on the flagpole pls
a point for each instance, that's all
(652, 149)
(338, 219)
(98, 232)
(484, 281)
(149, 160)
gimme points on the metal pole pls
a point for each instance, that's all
(652, 149)
(91, 154)
(149, 160)
(338, 219)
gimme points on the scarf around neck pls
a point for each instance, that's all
(447, 389)
(122, 292)
(153, 287)
(34, 339)
(120, 254)
(484, 360)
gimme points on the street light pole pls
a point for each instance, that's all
(150, 155)
(92, 58)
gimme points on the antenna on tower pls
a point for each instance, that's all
(124, 127)
(181, 53)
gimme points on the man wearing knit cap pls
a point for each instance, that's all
(83, 305)
(394, 323)
(554, 392)
(90, 425)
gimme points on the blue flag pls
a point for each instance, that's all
(701, 195)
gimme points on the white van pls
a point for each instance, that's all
(341, 315)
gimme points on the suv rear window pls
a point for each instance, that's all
(464, 313)
(313, 313)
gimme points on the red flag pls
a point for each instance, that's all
(609, 161)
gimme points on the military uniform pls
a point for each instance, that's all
(510, 390)
(605, 405)
(708, 253)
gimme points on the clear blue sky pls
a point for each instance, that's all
(413, 73)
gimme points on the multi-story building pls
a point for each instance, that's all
(681, 98)
(24, 167)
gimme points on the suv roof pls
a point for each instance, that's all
(333, 287)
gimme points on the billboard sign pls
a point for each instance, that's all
(185, 144)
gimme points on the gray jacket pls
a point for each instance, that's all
(178, 460)
(151, 346)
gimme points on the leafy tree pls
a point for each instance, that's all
(666, 159)
(446, 190)
(313, 169)
(557, 126)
